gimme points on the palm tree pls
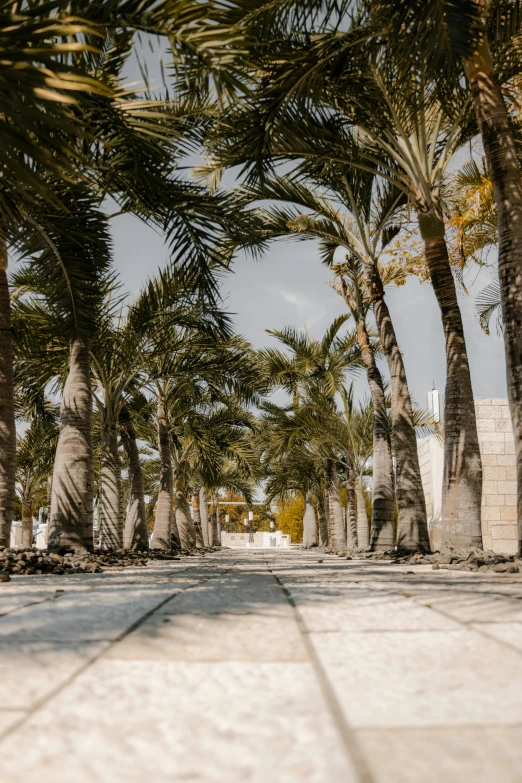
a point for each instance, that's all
(35, 456)
(135, 532)
(60, 293)
(47, 85)
(351, 287)
(290, 464)
(358, 423)
(316, 368)
(118, 358)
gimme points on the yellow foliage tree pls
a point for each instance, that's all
(289, 517)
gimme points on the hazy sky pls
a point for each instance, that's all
(288, 287)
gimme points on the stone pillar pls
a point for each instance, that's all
(16, 534)
(431, 461)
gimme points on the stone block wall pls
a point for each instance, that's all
(499, 488)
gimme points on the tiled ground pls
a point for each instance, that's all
(262, 667)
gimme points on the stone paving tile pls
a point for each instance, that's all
(98, 613)
(474, 607)
(32, 670)
(9, 718)
(368, 612)
(438, 755)
(131, 721)
(213, 637)
(232, 595)
(393, 679)
(509, 633)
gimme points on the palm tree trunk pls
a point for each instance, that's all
(338, 542)
(206, 521)
(309, 523)
(186, 530)
(382, 491)
(201, 538)
(161, 535)
(351, 512)
(504, 169)
(412, 525)
(363, 530)
(70, 519)
(136, 533)
(462, 485)
(216, 528)
(7, 416)
(322, 523)
(27, 521)
(110, 502)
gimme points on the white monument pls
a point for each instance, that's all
(262, 540)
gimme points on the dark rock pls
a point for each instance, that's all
(4, 576)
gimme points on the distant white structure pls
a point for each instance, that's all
(16, 534)
(273, 539)
(42, 533)
(435, 405)
(499, 486)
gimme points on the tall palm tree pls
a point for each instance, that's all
(47, 85)
(60, 294)
(351, 287)
(35, 455)
(357, 423)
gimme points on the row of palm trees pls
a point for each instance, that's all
(350, 137)
(162, 391)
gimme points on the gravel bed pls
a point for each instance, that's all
(36, 561)
(474, 560)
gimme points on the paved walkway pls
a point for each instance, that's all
(254, 667)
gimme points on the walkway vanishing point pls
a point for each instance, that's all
(262, 667)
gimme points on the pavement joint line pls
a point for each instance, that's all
(466, 626)
(136, 624)
(31, 603)
(351, 746)
(439, 726)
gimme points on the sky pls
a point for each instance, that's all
(287, 287)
